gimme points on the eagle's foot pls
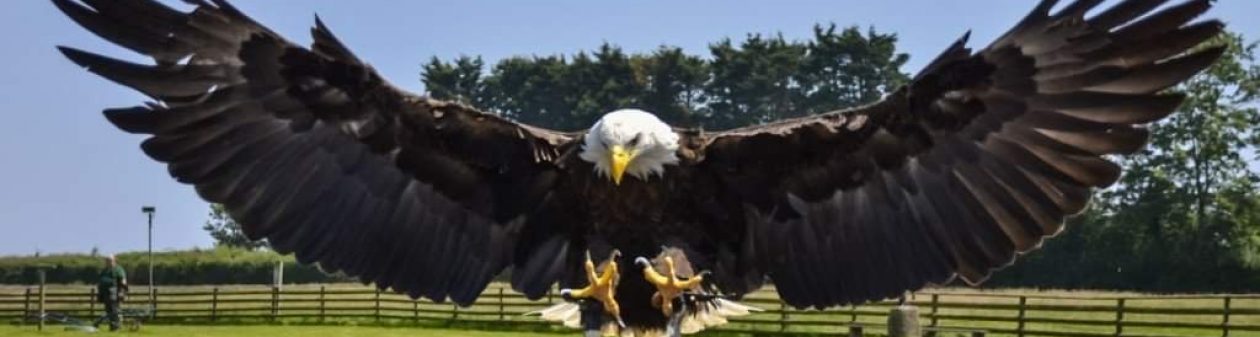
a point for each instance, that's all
(601, 287)
(668, 285)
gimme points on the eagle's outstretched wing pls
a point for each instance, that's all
(312, 150)
(978, 159)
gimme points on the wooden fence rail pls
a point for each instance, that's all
(1007, 314)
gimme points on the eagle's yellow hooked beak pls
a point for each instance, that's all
(620, 158)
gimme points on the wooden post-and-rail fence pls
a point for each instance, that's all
(943, 311)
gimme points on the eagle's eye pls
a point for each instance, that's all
(634, 142)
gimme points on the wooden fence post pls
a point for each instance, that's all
(935, 307)
(154, 306)
(92, 303)
(853, 314)
(415, 310)
(783, 317)
(42, 300)
(275, 302)
(378, 304)
(501, 304)
(321, 303)
(1225, 319)
(26, 306)
(1023, 309)
(214, 304)
(1119, 316)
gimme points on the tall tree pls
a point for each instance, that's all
(673, 85)
(531, 90)
(226, 232)
(1176, 186)
(769, 78)
(601, 82)
(755, 82)
(458, 81)
(849, 68)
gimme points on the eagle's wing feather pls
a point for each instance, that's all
(976, 160)
(312, 150)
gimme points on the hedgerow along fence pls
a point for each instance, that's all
(994, 313)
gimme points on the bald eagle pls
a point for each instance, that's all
(978, 159)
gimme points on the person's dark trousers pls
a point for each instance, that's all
(110, 301)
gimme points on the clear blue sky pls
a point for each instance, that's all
(69, 181)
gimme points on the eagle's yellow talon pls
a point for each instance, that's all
(601, 287)
(668, 286)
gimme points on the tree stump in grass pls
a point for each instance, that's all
(903, 321)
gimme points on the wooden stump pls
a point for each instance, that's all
(903, 321)
(855, 330)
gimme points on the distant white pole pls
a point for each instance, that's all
(278, 274)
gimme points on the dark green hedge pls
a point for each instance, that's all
(215, 266)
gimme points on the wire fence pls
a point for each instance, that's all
(941, 311)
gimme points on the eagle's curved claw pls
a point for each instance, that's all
(601, 287)
(668, 286)
(642, 262)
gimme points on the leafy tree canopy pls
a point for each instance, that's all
(759, 79)
(226, 232)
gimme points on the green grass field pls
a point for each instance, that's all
(1050, 312)
(265, 330)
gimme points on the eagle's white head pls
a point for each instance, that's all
(630, 141)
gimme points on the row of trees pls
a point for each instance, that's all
(1185, 216)
(759, 79)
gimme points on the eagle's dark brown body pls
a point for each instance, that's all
(979, 158)
(638, 218)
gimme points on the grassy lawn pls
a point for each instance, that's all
(264, 330)
(1048, 311)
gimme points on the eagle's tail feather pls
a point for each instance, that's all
(714, 312)
(567, 313)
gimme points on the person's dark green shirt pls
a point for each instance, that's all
(111, 276)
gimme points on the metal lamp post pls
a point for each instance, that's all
(149, 210)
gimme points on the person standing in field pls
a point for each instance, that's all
(111, 289)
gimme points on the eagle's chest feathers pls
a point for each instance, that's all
(633, 203)
(628, 189)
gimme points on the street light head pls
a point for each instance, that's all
(148, 209)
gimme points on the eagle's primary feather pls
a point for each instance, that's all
(976, 160)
